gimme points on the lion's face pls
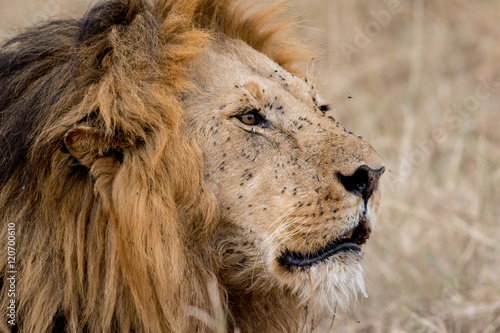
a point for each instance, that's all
(297, 193)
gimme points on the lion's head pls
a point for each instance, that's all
(147, 149)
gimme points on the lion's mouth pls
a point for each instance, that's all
(350, 241)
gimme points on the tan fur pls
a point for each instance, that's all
(140, 186)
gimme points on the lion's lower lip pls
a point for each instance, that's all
(295, 259)
(358, 237)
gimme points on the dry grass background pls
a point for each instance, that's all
(424, 77)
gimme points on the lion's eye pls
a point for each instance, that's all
(252, 118)
(248, 119)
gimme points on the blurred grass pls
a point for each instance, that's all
(434, 259)
(433, 263)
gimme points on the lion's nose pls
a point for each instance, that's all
(362, 182)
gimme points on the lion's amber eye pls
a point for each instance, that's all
(252, 118)
(248, 119)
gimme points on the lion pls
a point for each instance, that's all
(167, 167)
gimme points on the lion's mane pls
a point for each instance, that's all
(113, 237)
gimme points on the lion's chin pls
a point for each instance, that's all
(332, 285)
(330, 278)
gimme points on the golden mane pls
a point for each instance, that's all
(106, 88)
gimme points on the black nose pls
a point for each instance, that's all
(362, 182)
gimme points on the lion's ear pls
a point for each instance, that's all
(87, 144)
